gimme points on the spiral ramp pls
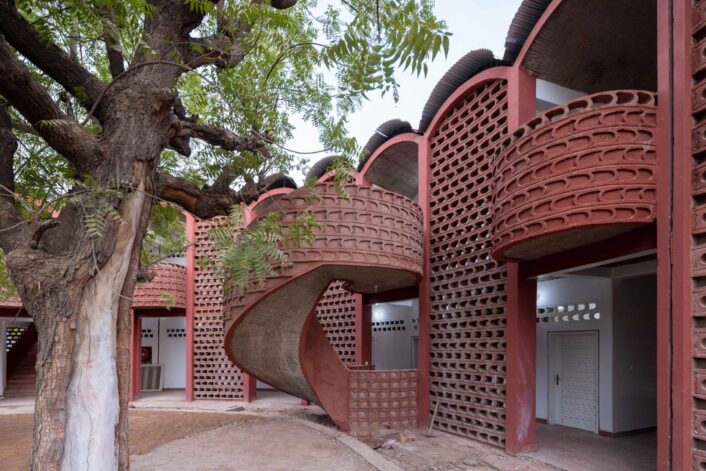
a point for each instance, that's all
(372, 240)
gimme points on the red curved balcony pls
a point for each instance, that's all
(577, 174)
(166, 290)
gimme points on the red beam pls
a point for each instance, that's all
(401, 294)
(629, 243)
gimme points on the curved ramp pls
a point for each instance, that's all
(373, 241)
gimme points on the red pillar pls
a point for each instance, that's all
(190, 292)
(424, 345)
(135, 355)
(521, 359)
(674, 219)
(249, 387)
(363, 332)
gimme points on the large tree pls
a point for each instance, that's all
(109, 108)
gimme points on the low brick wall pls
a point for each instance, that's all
(382, 399)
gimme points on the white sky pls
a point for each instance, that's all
(475, 24)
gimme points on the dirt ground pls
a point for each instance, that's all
(215, 442)
(414, 451)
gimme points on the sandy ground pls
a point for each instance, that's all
(265, 444)
(215, 442)
(445, 452)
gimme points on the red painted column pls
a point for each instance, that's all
(674, 208)
(135, 356)
(249, 387)
(190, 292)
(521, 335)
(363, 332)
(424, 345)
(521, 98)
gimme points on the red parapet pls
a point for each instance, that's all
(166, 290)
(575, 175)
(13, 302)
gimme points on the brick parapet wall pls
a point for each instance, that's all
(382, 400)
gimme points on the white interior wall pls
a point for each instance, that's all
(392, 342)
(172, 351)
(150, 336)
(634, 353)
(573, 290)
(167, 337)
(550, 94)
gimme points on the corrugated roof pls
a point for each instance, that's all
(522, 24)
(469, 65)
(320, 168)
(383, 133)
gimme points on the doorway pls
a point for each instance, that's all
(573, 379)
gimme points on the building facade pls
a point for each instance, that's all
(536, 244)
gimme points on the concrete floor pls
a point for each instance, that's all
(578, 450)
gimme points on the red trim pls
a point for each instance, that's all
(521, 331)
(190, 293)
(633, 242)
(160, 312)
(424, 342)
(400, 138)
(363, 332)
(680, 162)
(535, 31)
(496, 73)
(401, 294)
(135, 356)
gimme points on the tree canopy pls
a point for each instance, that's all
(243, 71)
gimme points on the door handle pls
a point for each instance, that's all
(556, 379)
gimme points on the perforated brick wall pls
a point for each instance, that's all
(336, 313)
(467, 286)
(698, 251)
(382, 399)
(215, 376)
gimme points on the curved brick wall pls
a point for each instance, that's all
(169, 282)
(577, 174)
(373, 241)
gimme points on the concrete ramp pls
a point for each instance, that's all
(372, 240)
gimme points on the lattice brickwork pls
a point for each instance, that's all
(12, 335)
(467, 285)
(383, 399)
(215, 376)
(698, 251)
(336, 313)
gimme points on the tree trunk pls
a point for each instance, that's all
(82, 364)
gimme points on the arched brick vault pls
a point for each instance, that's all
(166, 289)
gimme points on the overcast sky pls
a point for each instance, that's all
(475, 24)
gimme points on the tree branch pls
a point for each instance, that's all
(11, 222)
(47, 56)
(207, 202)
(116, 62)
(8, 146)
(223, 138)
(34, 103)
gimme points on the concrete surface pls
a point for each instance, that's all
(578, 450)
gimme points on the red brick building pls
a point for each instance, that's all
(535, 246)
